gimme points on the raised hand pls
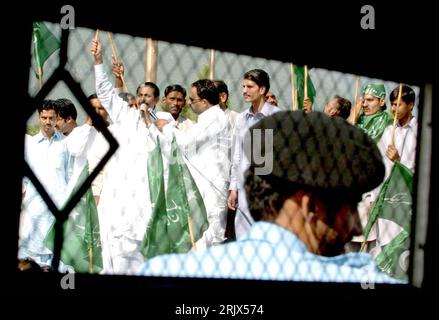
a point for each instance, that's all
(96, 50)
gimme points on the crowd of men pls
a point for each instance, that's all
(292, 216)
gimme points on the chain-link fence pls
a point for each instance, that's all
(296, 221)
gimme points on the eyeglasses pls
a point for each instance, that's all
(191, 101)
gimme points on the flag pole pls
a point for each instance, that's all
(395, 119)
(113, 50)
(306, 83)
(90, 254)
(212, 64)
(191, 232)
(356, 111)
(146, 59)
(151, 60)
(293, 89)
(97, 35)
(40, 76)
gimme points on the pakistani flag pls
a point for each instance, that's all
(81, 247)
(45, 43)
(168, 230)
(394, 205)
(299, 82)
(153, 243)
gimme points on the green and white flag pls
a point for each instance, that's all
(154, 241)
(299, 81)
(45, 43)
(168, 230)
(394, 203)
(81, 247)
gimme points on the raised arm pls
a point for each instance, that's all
(116, 107)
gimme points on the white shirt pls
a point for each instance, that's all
(124, 206)
(240, 163)
(206, 146)
(49, 161)
(405, 143)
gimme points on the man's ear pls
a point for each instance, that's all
(382, 102)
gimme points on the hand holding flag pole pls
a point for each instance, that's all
(114, 55)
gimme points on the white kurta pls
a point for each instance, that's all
(206, 146)
(405, 143)
(49, 160)
(124, 206)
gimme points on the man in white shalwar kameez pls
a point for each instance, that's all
(124, 206)
(205, 147)
(48, 157)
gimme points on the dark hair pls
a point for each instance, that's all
(48, 105)
(152, 85)
(175, 87)
(267, 194)
(66, 108)
(260, 77)
(92, 96)
(221, 86)
(407, 94)
(344, 106)
(206, 89)
(126, 96)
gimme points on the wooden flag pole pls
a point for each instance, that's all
(146, 59)
(356, 111)
(212, 64)
(97, 35)
(40, 77)
(151, 60)
(191, 233)
(113, 52)
(306, 83)
(90, 254)
(293, 89)
(395, 119)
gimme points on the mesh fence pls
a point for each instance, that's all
(167, 190)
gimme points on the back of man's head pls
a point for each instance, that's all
(309, 152)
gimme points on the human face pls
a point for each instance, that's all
(96, 104)
(174, 103)
(271, 98)
(146, 96)
(48, 120)
(404, 111)
(197, 104)
(371, 104)
(331, 108)
(252, 92)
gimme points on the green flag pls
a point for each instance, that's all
(45, 43)
(299, 82)
(168, 231)
(394, 203)
(154, 241)
(81, 247)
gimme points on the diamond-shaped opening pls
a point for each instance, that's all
(59, 172)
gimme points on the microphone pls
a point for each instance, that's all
(142, 109)
(152, 114)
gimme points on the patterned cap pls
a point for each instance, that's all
(376, 90)
(313, 151)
